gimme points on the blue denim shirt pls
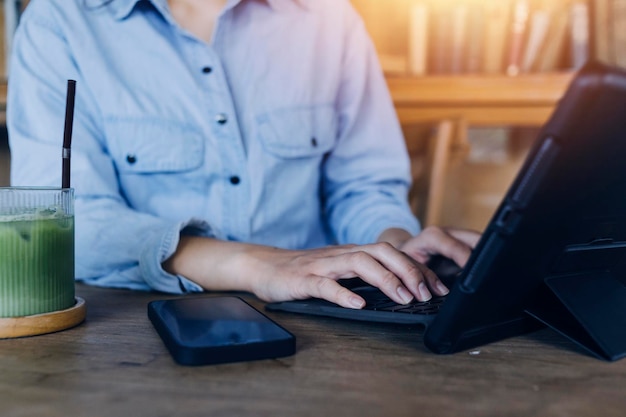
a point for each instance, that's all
(280, 132)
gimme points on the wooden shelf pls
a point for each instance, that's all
(454, 102)
(526, 100)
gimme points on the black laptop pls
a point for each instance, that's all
(555, 251)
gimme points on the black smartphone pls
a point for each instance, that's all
(212, 330)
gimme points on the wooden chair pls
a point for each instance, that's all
(452, 104)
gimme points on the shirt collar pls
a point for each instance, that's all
(123, 8)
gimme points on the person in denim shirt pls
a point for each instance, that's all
(223, 145)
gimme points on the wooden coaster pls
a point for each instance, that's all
(55, 321)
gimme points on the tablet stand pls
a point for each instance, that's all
(588, 308)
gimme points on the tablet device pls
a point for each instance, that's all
(555, 251)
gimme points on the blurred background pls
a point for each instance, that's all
(5, 158)
(472, 81)
(493, 69)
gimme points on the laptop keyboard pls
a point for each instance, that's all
(378, 301)
(378, 308)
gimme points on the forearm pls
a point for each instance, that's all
(274, 274)
(120, 247)
(217, 265)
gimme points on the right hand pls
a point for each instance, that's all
(287, 275)
(275, 274)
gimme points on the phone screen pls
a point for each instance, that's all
(218, 329)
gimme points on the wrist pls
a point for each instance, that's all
(395, 236)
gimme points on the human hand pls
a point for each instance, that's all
(286, 274)
(456, 244)
(452, 243)
(274, 274)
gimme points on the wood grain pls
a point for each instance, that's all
(114, 364)
(488, 100)
(43, 323)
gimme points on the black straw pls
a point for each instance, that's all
(67, 134)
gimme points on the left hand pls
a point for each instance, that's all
(456, 244)
(453, 243)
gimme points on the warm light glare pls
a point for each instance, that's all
(513, 37)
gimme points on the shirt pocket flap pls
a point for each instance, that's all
(298, 132)
(144, 146)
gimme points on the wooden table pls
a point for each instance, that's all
(114, 364)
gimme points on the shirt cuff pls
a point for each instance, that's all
(378, 226)
(161, 247)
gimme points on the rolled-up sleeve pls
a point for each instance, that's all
(115, 245)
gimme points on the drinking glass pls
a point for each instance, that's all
(36, 250)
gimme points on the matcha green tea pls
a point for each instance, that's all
(36, 251)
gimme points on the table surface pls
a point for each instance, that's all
(114, 364)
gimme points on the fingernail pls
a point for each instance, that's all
(443, 290)
(423, 290)
(356, 302)
(404, 295)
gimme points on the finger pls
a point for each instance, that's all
(358, 262)
(383, 266)
(416, 277)
(434, 283)
(330, 290)
(405, 275)
(469, 237)
(439, 241)
(456, 250)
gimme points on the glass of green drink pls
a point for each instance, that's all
(36, 250)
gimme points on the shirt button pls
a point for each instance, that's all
(221, 118)
(131, 159)
(207, 70)
(234, 180)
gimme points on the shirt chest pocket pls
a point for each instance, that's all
(154, 146)
(298, 132)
